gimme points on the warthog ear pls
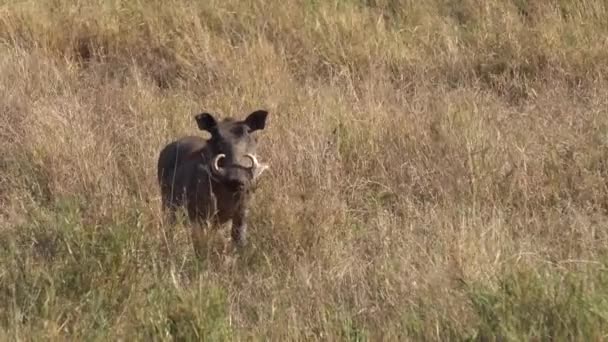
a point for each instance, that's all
(256, 120)
(205, 121)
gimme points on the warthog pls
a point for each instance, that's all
(213, 178)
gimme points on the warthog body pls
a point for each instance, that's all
(212, 178)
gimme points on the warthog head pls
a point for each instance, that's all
(232, 149)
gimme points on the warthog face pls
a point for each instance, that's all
(233, 149)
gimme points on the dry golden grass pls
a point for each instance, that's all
(439, 169)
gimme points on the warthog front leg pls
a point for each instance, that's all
(202, 211)
(239, 227)
(199, 239)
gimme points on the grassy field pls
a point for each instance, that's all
(439, 169)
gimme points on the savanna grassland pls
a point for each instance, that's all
(439, 169)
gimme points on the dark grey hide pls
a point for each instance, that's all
(213, 177)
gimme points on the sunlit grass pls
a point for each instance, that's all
(439, 169)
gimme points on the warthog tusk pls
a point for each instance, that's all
(215, 167)
(254, 161)
(256, 167)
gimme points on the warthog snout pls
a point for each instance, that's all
(237, 177)
(213, 178)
